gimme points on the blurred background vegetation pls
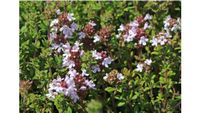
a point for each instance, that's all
(148, 94)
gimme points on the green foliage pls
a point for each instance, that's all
(156, 91)
(94, 106)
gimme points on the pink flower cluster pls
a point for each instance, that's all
(135, 30)
(103, 59)
(72, 85)
(170, 25)
(76, 83)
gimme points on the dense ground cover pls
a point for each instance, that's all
(105, 57)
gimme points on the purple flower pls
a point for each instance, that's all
(90, 84)
(95, 68)
(154, 41)
(73, 26)
(106, 61)
(66, 31)
(72, 72)
(143, 40)
(81, 35)
(162, 40)
(96, 55)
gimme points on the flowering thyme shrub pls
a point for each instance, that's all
(99, 57)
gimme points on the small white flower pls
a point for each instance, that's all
(92, 23)
(90, 84)
(146, 25)
(162, 40)
(72, 72)
(84, 73)
(76, 47)
(148, 61)
(131, 35)
(105, 77)
(67, 46)
(143, 40)
(83, 88)
(70, 81)
(81, 53)
(121, 28)
(96, 55)
(134, 24)
(53, 35)
(50, 96)
(54, 22)
(118, 35)
(175, 27)
(167, 34)
(95, 68)
(96, 38)
(106, 61)
(71, 92)
(166, 22)
(120, 76)
(54, 29)
(139, 67)
(70, 16)
(68, 63)
(147, 17)
(58, 12)
(66, 54)
(58, 47)
(154, 41)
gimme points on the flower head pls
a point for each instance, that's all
(96, 38)
(148, 61)
(106, 61)
(121, 28)
(90, 84)
(147, 17)
(84, 73)
(92, 23)
(146, 25)
(162, 40)
(95, 68)
(143, 40)
(54, 22)
(154, 41)
(139, 67)
(96, 55)
(70, 16)
(81, 35)
(73, 26)
(120, 76)
(58, 12)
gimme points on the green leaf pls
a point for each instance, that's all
(69, 110)
(110, 89)
(120, 104)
